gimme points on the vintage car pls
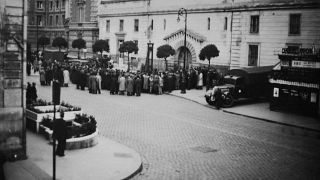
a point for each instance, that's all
(241, 83)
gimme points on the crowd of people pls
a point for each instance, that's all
(94, 78)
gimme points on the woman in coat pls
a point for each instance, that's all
(122, 84)
(66, 78)
(130, 86)
(200, 80)
(98, 78)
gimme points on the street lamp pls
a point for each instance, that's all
(181, 12)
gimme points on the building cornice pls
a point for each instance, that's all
(226, 8)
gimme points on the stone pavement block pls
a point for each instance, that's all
(12, 98)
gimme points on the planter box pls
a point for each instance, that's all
(34, 119)
(75, 142)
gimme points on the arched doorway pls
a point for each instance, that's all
(181, 53)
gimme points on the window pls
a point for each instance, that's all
(39, 4)
(39, 20)
(253, 55)
(254, 24)
(32, 21)
(209, 24)
(136, 41)
(57, 4)
(295, 24)
(63, 19)
(136, 25)
(121, 25)
(293, 48)
(51, 5)
(50, 20)
(108, 25)
(164, 24)
(63, 4)
(151, 26)
(57, 20)
(225, 23)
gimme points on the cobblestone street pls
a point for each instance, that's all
(180, 139)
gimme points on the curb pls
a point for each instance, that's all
(271, 121)
(135, 172)
(205, 105)
(314, 132)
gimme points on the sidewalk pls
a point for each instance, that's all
(106, 160)
(257, 110)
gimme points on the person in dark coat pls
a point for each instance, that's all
(82, 79)
(28, 68)
(60, 133)
(138, 84)
(33, 92)
(218, 98)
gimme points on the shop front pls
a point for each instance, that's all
(295, 82)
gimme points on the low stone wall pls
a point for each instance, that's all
(83, 142)
(76, 142)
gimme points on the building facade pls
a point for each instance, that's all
(12, 78)
(46, 18)
(83, 24)
(70, 19)
(246, 32)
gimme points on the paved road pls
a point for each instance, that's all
(179, 139)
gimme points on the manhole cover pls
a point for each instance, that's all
(204, 149)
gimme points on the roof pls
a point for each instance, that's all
(252, 75)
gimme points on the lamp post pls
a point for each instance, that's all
(181, 12)
(37, 39)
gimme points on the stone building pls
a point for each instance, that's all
(246, 32)
(70, 19)
(12, 78)
(46, 18)
(83, 24)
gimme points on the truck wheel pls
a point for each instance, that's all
(208, 99)
(228, 101)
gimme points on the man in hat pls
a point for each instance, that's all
(60, 133)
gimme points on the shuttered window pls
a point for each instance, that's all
(254, 24)
(295, 24)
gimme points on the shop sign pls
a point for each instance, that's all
(306, 64)
(275, 92)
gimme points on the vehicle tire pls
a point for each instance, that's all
(228, 101)
(208, 99)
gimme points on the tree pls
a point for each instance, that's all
(208, 52)
(79, 44)
(165, 51)
(60, 42)
(100, 46)
(129, 47)
(43, 41)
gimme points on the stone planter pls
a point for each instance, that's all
(74, 142)
(34, 119)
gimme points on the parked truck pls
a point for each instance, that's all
(241, 83)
